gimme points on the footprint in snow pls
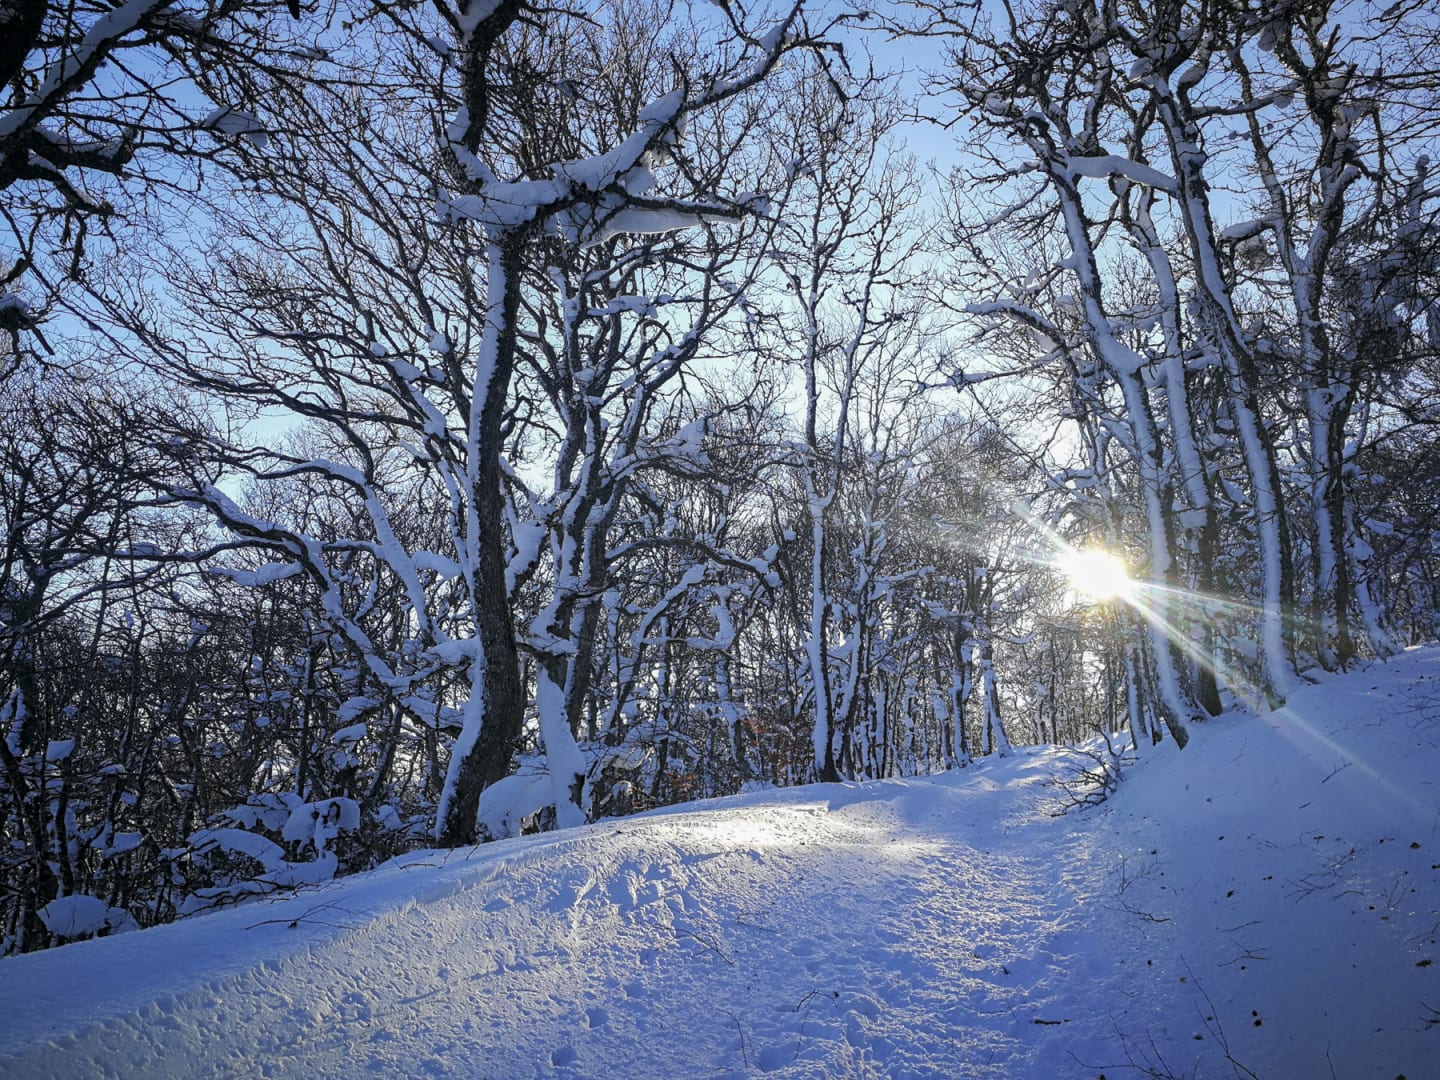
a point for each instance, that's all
(564, 1056)
(777, 1056)
(625, 888)
(572, 892)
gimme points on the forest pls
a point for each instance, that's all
(428, 421)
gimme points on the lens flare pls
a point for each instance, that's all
(1096, 573)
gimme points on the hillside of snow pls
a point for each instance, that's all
(1265, 904)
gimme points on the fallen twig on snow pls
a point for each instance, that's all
(1096, 780)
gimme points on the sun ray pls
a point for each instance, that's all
(1096, 575)
(1101, 577)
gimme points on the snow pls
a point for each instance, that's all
(456, 650)
(320, 822)
(645, 221)
(1244, 230)
(475, 12)
(266, 852)
(258, 578)
(231, 121)
(505, 206)
(122, 842)
(1105, 166)
(439, 564)
(505, 805)
(619, 305)
(352, 734)
(1269, 897)
(75, 916)
(271, 811)
(402, 368)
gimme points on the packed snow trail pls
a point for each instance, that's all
(1206, 921)
(898, 929)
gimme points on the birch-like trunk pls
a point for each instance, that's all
(1226, 338)
(1124, 365)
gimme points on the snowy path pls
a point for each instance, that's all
(1264, 904)
(893, 929)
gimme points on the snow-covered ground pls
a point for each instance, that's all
(1266, 903)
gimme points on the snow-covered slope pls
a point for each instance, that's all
(1265, 902)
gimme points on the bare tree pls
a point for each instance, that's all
(104, 106)
(539, 314)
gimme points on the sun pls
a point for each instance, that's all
(1098, 574)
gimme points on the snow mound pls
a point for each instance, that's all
(75, 916)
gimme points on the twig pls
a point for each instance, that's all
(740, 1030)
(1334, 771)
(305, 917)
(1214, 1026)
(1094, 783)
(707, 943)
(806, 1000)
(1139, 913)
(1433, 1020)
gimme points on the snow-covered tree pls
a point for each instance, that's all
(1212, 336)
(492, 327)
(102, 107)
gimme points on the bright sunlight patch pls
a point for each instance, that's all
(1096, 573)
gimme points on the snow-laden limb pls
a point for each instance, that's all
(266, 852)
(316, 825)
(259, 577)
(1112, 166)
(593, 199)
(74, 67)
(310, 827)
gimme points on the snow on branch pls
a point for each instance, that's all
(1105, 166)
(592, 199)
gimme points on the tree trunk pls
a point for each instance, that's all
(496, 707)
